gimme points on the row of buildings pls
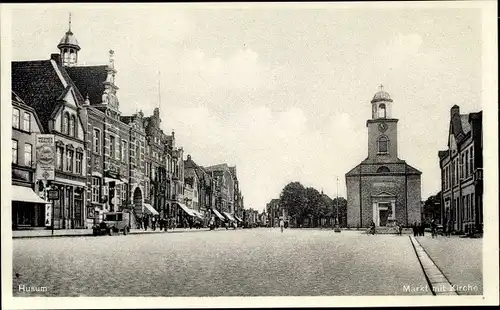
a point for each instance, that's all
(70, 137)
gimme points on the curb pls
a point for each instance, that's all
(86, 234)
(437, 281)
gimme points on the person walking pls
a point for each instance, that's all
(414, 228)
(282, 225)
(145, 222)
(153, 223)
(433, 228)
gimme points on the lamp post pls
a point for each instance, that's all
(337, 228)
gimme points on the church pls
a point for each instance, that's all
(383, 188)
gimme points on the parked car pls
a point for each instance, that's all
(113, 222)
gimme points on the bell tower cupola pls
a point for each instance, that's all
(381, 104)
(69, 47)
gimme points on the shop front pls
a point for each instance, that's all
(28, 209)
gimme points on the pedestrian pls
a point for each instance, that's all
(422, 229)
(433, 228)
(139, 223)
(414, 228)
(282, 225)
(145, 222)
(153, 223)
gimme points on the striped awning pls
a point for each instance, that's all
(229, 216)
(186, 209)
(150, 209)
(220, 216)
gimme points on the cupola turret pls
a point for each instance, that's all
(69, 47)
(381, 104)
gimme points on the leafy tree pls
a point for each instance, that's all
(293, 199)
(432, 208)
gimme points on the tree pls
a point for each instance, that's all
(293, 199)
(432, 208)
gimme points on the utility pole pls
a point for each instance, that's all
(337, 222)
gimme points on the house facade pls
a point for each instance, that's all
(462, 173)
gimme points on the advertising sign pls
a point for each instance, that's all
(48, 214)
(45, 156)
(53, 195)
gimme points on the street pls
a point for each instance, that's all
(255, 262)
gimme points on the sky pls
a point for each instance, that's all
(281, 92)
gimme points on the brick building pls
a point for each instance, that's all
(462, 173)
(383, 189)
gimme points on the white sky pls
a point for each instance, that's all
(282, 93)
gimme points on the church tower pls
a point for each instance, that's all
(382, 129)
(69, 47)
(383, 189)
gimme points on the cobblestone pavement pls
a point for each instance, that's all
(253, 262)
(460, 260)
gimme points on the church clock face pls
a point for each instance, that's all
(382, 127)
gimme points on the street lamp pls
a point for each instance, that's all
(337, 227)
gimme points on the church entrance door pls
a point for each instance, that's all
(383, 216)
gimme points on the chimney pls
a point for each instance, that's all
(455, 110)
(56, 58)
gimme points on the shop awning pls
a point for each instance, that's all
(108, 180)
(229, 216)
(218, 214)
(237, 218)
(25, 194)
(198, 214)
(186, 209)
(150, 209)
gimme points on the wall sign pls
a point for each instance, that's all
(45, 156)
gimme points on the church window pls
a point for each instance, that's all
(383, 145)
(383, 169)
(382, 111)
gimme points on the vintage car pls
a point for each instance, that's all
(113, 222)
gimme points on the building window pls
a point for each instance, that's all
(79, 160)
(14, 151)
(467, 163)
(15, 118)
(471, 160)
(27, 122)
(28, 152)
(382, 111)
(124, 151)
(96, 189)
(65, 122)
(112, 147)
(124, 191)
(383, 169)
(59, 158)
(383, 145)
(97, 141)
(69, 160)
(72, 128)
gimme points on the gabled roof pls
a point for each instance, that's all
(353, 171)
(90, 81)
(219, 167)
(19, 101)
(38, 83)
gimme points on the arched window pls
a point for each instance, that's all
(382, 111)
(72, 127)
(65, 122)
(383, 145)
(383, 169)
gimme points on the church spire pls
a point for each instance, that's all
(69, 28)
